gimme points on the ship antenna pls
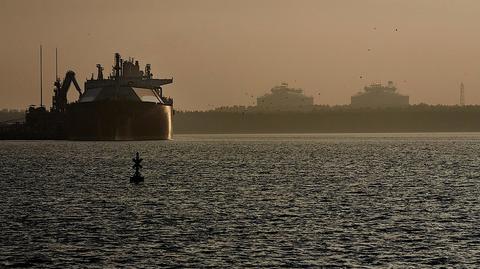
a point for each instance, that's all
(41, 78)
(56, 63)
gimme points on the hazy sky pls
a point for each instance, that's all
(221, 52)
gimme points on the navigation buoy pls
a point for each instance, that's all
(137, 177)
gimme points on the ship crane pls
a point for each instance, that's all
(59, 103)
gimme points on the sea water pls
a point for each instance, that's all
(350, 200)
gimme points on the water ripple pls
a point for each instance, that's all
(243, 201)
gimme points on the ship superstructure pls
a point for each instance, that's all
(378, 95)
(127, 83)
(283, 98)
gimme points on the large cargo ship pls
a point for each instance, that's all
(127, 105)
(378, 95)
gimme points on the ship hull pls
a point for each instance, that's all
(119, 120)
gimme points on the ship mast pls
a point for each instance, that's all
(41, 78)
(56, 63)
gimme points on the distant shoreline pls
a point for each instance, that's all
(319, 120)
(342, 119)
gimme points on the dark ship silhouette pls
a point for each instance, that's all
(127, 105)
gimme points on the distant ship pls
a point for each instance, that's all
(283, 98)
(127, 105)
(378, 95)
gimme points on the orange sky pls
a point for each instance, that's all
(221, 52)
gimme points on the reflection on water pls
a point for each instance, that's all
(243, 200)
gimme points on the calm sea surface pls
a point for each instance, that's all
(359, 200)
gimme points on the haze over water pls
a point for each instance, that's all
(378, 200)
(224, 52)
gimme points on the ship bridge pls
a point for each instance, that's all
(378, 95)
(126, 83)
(283, 98)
